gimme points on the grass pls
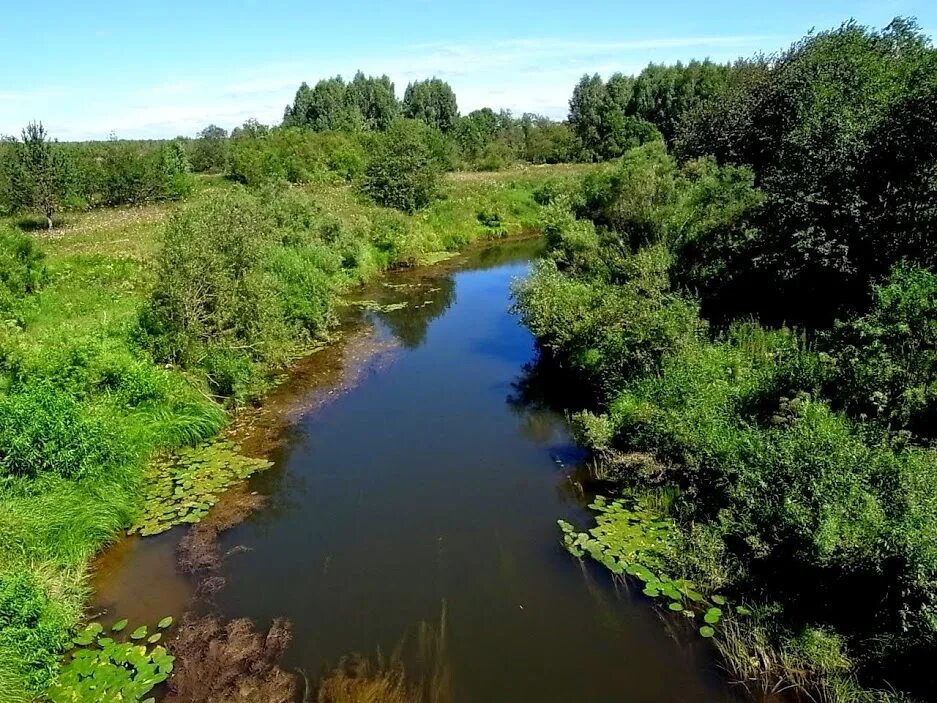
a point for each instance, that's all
(85, 407)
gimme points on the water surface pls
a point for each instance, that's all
(432, 485)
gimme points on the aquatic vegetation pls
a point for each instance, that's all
(230, 662)
(631, 539)
(101, 668)
(374, 306)
(183, 487)
(359, 679)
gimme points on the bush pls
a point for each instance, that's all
(210, 283)
(296, 156)
(404, 169)
(33, 629)
(606, 334)
(22, 270)
(886, 360)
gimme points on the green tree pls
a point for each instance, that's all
(210, 149)
(375, 99)
(431, 101)
(325, 107)
(404, 170)
(841, 132)
(586, 112)
(40, 173)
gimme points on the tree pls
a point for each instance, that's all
(433, 102)
(841, 132)
(374, 99)
(211, 148)
(40, 173)
(324, 108)
(586, 110)
(404, 170)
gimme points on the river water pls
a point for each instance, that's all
(428, 492)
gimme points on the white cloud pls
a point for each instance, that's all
(523, 74)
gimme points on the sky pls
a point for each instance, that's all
(147, 69)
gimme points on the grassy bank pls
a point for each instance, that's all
(124, 334)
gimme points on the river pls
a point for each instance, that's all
(428, 490)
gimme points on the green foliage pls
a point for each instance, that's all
(22, 269)
(40, 173)
(609, 118)
(129, 173)
(607, 333)
(101, 668)
(404, 168)
(326, 107)
(375, 100)
(210, 283)
(35, 626)
(886, 360)
(432, 102)
(182, 488)
(210, 150)
(840, 132)
(45, 431)
(295, 156)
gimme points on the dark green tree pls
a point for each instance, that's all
(431, 101)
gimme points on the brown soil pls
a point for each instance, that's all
(230, 662)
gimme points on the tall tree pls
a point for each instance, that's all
(431, 101)
(40, 173)
(325, 107)
(375, 99)
(586, 109)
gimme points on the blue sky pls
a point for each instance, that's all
(158, 69)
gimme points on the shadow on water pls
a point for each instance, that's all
(437, 476)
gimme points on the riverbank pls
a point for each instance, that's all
(85, 407)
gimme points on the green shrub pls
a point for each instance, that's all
(886, 360)
(33, 633)
(210, 282)
(22, 270)
(404, 170)
(604, 333)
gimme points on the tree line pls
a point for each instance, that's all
(606, 118)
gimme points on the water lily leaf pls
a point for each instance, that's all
(707, 631)
(119, 625)
(165, 622)
(139, 633)
(676, 606)
(713, 616)
(154, 638)
(719, 600)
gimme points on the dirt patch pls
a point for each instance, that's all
(231, 662)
